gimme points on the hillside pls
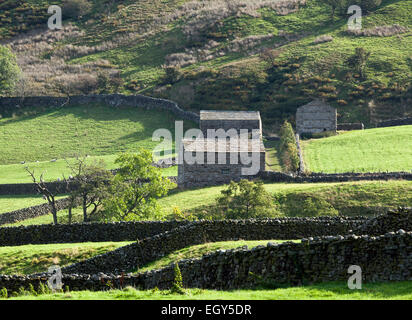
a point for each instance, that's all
(372, 150)
(302, 200)
(266, 55)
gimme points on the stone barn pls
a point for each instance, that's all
(207, 162)
(227, 120)
(316, 116)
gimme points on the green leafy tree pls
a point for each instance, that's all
(334, 5)
(246, 199)
(288, 149)
(90, 185)
(136, 188)
(9, 70)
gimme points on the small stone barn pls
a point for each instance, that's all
(206, 173)
(227, 120)
(316, 116)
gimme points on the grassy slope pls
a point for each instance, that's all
(12, 203)
(241, 80)
(29, 259)
(38, 258)
(200, 250)
(348, 198)
(324, 291)
(16, 173)
(372, 150)
(96, 130)
(99, 131)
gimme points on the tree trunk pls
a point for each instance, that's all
(70, 215)
(84, 209)
(54, 212)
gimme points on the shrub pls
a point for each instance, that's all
(172, 75)
(3, 293)
(370, 5)
(359, 61)
(75, 8)
(177, 286)
(9, 70)
(246, 199)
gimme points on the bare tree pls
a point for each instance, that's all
(43, 189)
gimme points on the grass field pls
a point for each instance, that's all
(67, 132)
(12, 203)
(372, 150)
(199, 250)
(44, 139)
(324, 291)
(273, 162)
(29, 259)
(348, 198)
(16, 173)
(345, 198)
(38, 258)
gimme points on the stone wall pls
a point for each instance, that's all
(32, 212)
(10, 105)
(271, 176)
(30, 188)
(84, 232)
(136, 255)
(392, 220)
(202, 175)
(56, 187)
(315, 117)
(383, 258)
(395, 122)
(350, 126)
(300, 154)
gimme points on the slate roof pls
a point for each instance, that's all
(229, 115)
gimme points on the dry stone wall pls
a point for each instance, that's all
(10, 105)
(383, 258)
(32, 212)
(135, 255)
(84, 232)
(350, 126)
(395, 122)
(393, 220)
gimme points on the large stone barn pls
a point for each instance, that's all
(205, 162)
(316, 116)
(227, 120)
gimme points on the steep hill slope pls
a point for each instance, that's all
(218, 54)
